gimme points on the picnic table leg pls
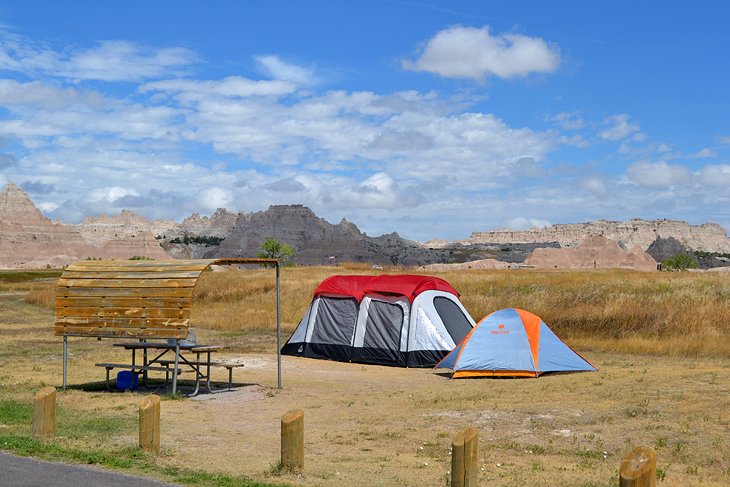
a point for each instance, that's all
(108, 387)
(177, 363)
(207, 367)
(144, 362)
(65, 359)
(198, 375)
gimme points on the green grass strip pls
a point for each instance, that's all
(132, 460)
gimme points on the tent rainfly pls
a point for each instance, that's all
(400, 320)
(512, 343)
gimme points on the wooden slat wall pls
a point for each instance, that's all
(133, 299)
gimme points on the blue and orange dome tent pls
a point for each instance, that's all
(512, 343)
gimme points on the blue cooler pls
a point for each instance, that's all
(127, 380)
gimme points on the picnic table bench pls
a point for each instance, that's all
(185, 363)
(143, 300)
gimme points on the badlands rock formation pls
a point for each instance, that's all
(316, 240)
(29, 239)
(475, 264)
(594, 252)
(219, 224)
(708, 237)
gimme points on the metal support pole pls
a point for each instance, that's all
(177, 362)
(278, 324)
(65, 359)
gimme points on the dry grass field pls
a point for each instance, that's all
(661, 341)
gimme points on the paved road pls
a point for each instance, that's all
(29, 472)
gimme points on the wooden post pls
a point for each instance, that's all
(638, 468)
(292, 440)
(149, 423)
(44, 413)
(464, 453)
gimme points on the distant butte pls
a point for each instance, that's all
(29, 239)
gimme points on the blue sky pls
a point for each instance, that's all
(432, 119)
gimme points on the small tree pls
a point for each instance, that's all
(680, 262)
(273, 249)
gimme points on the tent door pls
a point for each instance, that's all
(382, 335)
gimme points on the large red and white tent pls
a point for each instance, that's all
(402, 320)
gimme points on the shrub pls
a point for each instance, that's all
(680, 262)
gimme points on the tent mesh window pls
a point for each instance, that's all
(383, 327)
(456, 323)
(335, 322)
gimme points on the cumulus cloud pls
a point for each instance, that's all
(567, 120)
(529, 167)
(39, 95)
(47, 206)
(575, 140)
(110, 194)
(213, 198)
(112, 60)
(704, 154)
(524, 223)
(37, 187)
(618, 127)
(594, 185)
(232, 86)
(391, 140)
(724, 139)
(716, 175)
(276, 68)
(657, 174)
(474, 53)
(288, 185)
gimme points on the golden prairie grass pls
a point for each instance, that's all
(382, 426)
(665, 313)
(680, 313)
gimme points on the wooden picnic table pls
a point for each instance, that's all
(182, 361)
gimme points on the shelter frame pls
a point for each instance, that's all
(143, 299)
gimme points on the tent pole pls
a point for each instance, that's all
(65, 359)
(278, 325)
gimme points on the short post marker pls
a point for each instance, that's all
(464, 454)
(292, 440)
(44, 413)
(149, 423)
(638, 468)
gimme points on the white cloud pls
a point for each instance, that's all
(213, 198)
(724, 139)
(113, 60)
(524, 223)
(716, 175)
(618, 127)
(468, 52)
(574, 141)
(657, 174)
(126, 61)
(110, 194)
(278, 69)
(232, 86)
(594, 185)
(47, 207)
(38, 95)
(567, 120)
(704, 154)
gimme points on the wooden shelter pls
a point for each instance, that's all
(136, 299)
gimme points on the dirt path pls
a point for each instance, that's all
(369, 425)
